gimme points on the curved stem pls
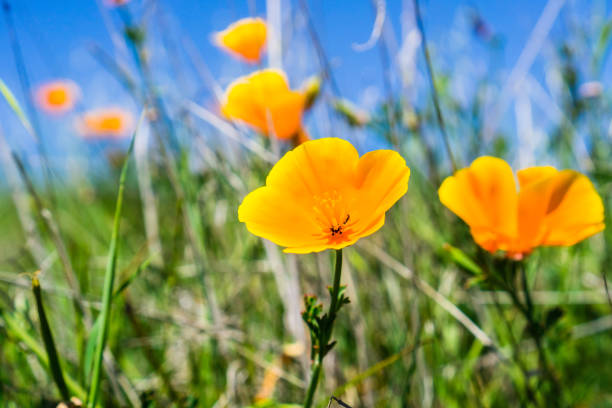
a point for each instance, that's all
(325, 334)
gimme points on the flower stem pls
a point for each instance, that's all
(326, 332)
(535, 330)
(314, 381)
(333, 308)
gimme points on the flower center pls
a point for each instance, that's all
(332, 215)
(57, 96)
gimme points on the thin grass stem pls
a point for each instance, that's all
(45, 330)
(109, 279)
(434, 92)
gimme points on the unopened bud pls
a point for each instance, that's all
(311, 89)
(353, 115)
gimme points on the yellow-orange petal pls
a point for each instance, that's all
(315, 168)
(268, 81)
(57, 97)
(382, 178)
(105, 123)
(285, 113)
(244, 38)
(320, 196)
(534, 174)
(266, 213)
(574, 209)
(534, 196)
(264, 101)
(484, 196)
(240, 103)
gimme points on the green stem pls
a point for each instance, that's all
(314, 381)
(333, 308)
(534, 328)
(326, 332)
(45, 330)
(109, 280)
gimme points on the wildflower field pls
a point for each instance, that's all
(305, 203)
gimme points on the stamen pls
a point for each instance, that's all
(331, 213)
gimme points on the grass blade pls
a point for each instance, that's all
(109, 279)
(45, 330)
(95, 329)
(14, 104)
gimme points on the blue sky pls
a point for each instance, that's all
(55, 38)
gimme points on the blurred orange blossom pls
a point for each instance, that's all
(57, 97)
(551, 207)
(244, 38)
(264, 101)
(322, 195)
(105, 123)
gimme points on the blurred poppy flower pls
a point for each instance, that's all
(103, 123)
(322, 195)
(264, 101)
(551, 207)
(57, 97)
(245, 38)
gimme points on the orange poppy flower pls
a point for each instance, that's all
(57, 97)
(322, 195)
(551, 207)
(245, 38)
(105, 123)
(264, 101)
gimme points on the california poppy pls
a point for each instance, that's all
(264, 101)
(322, 195)
(550, 208)
(57, 97)
(245, 38)
(105, 123)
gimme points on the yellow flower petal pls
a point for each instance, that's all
(264, 101)
(266, 214)
(382, 178)
(484, 196)
(575, 210)
(245, 38)
(552, 207)
(322, 196)
(533, 174)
